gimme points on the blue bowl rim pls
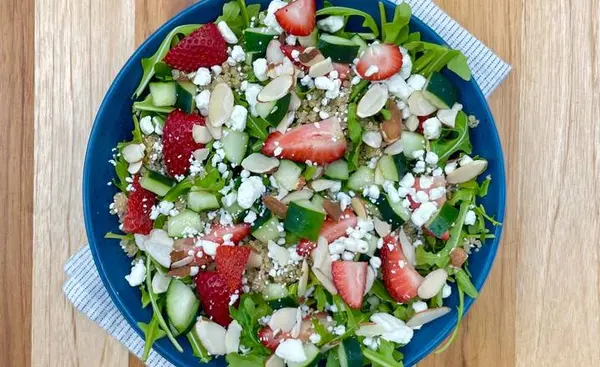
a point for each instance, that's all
(95, 132)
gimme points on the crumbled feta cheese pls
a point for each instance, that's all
(334, 74)
(334, 91)
(466, 159)
(419, 306)
(425, 182)
(339, 330)
(323, 83)
(259, 66)
(137, 274)
(446, 291)
(250, 190)
(450, 167)
(323, 115)
(421, 197)
(423, 213)
(431, 158)
(432, 128)
(372, 192)
(291, 350)
(375, 262)
(344, 200)
(355, 80)
(250, 217)
(237, 121)
(217, 69)
(295, 54)
(437, 193)
(270, 20)
(146, 125)
(229, 199)
(398, 87)
(418, 154)
(470, 218)
(407, 65)
(417, 81)
(208, 247)
(331, 24)
(203, 77)
(238, 54)
(202, 100)
(227, 33)
(307, 81)
(251, 93)
(291, 40)
(395, 329)
(314, 338)
(407, 181)
(348, 256)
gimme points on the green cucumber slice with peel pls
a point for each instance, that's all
(156, 183)
(304, 219)
(182, 306)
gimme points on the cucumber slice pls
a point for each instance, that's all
(163, 93)
(237, 212)
(441, 222)
(186, 91)
(318, 201)
(349, 353)
(362, 45)
(411, 142)
(304, 219)
(338, 170)
(401, 163)
(277, 296)
(257, 39)
(200, 200)
(251, 57)
(338, 48)
(183, 223)
(362, 178)
(313, 356)
(265, 228)
(288, 174)
(311, 172)
(182, 306)
(310, 40)
(264, 108)
(394, 213)
(388, 168)
(279, 110)
(157, 183)
(440, 91)
(235, 144)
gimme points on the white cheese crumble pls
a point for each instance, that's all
(423, 213)
(137, 274)
(259, 66)
(237, 121)
(250, 190)
(331, 24)
(227, 33)
(203, 77)
(202, 100)
(432, 128)
(470, 218)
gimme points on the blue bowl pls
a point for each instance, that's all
(114, 123)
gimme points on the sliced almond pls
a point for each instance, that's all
(321, 258)
(133, 152)
(283, 319)
(325, 281)
(182, 262)
(321, 68)
(232, 337)
(298, 326)
(182, 272)
(295, 102)
(432, 284)
(201, 134)
(310, 56)
(134, 167)
(254, 260)
(304, 194)
(392, 129)
(373, 101)
(412, 123)
(423, 317)
(276, 89)
(215, 131)
(332, 209)
(394, 148)
(323, 184)
(419, 105)
(359, 207)
(467, 172)
(370, 279)
(275, 206)
(381, 227)
(407, 247)
(212, 336)
(458, 256)
(278, 253)
(287, 121)
(201, 154)
(259, 163)
(372, 139)
(220, 105)
(303, 281)
(370, 329)
(274, 54)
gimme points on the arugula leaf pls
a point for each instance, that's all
(384, 356)
(368, 21)
(137, 132)
(358, 89)
(148, 64)
(152, 333)
(321, 297)
(460, 308)
(464, 282)
(251, 308)
(379, 290)
(354, 155)
(484, 186)
(332, 358)
(396, 31)
(320, 329)
(163, 71)
(456, 231)
(181, 188)
(160, 221)
(460, 66)
(257, 127)
(424, 257)
(197, 348)
(148, 105)
(354, 127)
(121, 170)
(116, 236)
(443, 57)
(211, 181)
(249, 360)
(453, 140)
(145, 296)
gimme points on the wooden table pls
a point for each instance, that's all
(541, 305)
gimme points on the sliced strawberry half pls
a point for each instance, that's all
(342, 69)
(399, 277)
(384, 61)
(139, 205)
(331, 230)
(231, 262)
(298, 18)
(214, 295)
(321, 143)
(178, 141)
(270, 339)
(350, 279)
(237, 232)
(289, 49)
(204, 47)
(438, 181)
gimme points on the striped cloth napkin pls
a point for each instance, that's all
(84, 287)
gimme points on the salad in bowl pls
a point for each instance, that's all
(296, 193)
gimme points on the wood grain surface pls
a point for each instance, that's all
(541, 305)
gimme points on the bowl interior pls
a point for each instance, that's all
(113, 124)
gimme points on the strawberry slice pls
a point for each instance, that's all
(214, 295)
(342, 69)
(231, 262)
(399, 277)
(289, 49)
(331, 230)
(379, 61)
(298, 18)
(438, 181)
(178, 141)
(139, 205)
(350, 279)
(270, 339)
(203, 47)
(321, 143)
(238, 232)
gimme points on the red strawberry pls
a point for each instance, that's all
(178, 141)
(399, 277)
(231, 262)
(350, 279)
(422, 119)
(438, 181)
(287, 51)
(342, 69)
(298, 17)
(269, 339)
(322, 142)
(214, 296)
(203, 47)
(139, 206)
(238, 232)
(387, 59)
(331, 230)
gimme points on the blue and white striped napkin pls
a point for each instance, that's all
(84, 287)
